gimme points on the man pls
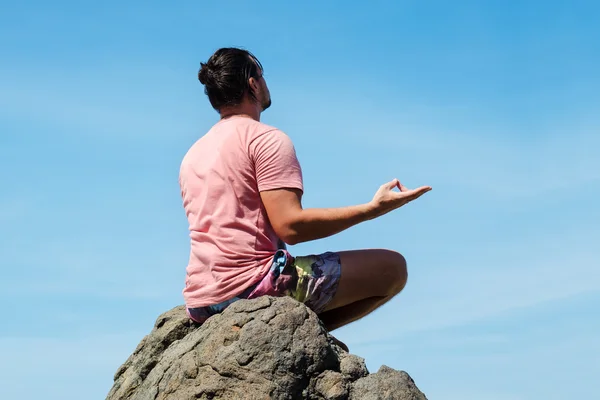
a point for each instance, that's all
(242, 188)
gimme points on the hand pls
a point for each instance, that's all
(386, 199)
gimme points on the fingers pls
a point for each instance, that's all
(399, 185)
(416, 193)
(393, 184)
(406, 194)
(423, 189)
(410, 195)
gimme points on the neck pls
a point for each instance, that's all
(243, 110)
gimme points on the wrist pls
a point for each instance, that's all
(371, 210)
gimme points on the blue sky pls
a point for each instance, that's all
(493, 104)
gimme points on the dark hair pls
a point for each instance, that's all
(225, 76)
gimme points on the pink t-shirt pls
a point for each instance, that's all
(221, 177)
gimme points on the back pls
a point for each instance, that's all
(221, 177)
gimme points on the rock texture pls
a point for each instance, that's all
(266, 348)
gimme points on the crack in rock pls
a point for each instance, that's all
(266, 348)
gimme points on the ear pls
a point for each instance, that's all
(254, 84)
(254, 88)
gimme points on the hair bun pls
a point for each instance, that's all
(203, 73)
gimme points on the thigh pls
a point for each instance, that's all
(368, 273)
(317, 279)
(311, 279)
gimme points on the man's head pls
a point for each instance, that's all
(233, 78)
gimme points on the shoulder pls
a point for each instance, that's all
(264, 129)
(267, 133)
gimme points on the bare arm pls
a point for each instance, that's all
(293, 224)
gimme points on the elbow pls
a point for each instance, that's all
(291, 230)
(289, 235)
(290, 238)
(290, 241)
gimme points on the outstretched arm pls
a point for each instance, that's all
(293, 224)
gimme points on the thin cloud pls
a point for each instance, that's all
(64, 367)
(500, 164)
(461, 294)
(118, 109)
(13, 209)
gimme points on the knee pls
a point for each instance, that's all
(398, 272)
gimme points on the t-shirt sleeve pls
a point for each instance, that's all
(275, 162)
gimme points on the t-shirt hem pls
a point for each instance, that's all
(281, 185)
(262, 271)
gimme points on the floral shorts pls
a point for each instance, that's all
(312, 280)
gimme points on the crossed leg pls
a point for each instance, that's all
(369, 279)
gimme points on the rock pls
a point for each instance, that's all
(266, 348)
(387, 383)
(353, 367)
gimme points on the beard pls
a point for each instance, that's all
(266, 103)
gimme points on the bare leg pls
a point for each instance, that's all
(339, 317)
(370, 278)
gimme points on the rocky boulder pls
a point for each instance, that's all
(266, 348)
